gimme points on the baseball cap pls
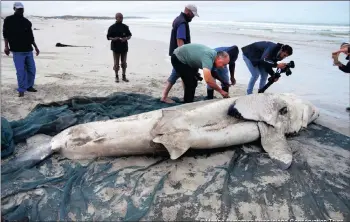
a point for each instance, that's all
(17, 5)
(193, 9)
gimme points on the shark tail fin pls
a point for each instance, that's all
(39, 148)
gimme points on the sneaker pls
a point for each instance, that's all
(31, 89)
(21, 94)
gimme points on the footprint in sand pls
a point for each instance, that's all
(64, 76)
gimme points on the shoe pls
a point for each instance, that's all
(125, 79)
(348, 109)
(21, 94)
(116, 79)
(31, 89)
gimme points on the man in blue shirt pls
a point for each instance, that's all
(222, 74)
(261, 57)
(180, 35)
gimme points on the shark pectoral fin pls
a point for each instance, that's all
(167, 122)
(176, 143)
(275, 144)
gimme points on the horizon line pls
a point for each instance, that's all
(143, 17)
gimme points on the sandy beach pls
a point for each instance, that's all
(66, 72)
(87, 71)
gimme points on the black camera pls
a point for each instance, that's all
(287, 68)
(279, 71)
(277, 75)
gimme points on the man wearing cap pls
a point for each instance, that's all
(180, 35)
(19, 38)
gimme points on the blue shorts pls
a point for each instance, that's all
(222, 73)
(173, 77)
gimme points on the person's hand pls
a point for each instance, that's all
(37, 51)
(124, 39)
(7, 51)
(338, 63)
(281, 65)
(224, 94)
(233, 81)
(343, 50)
(276, 79)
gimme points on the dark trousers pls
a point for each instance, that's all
(188, 76)
(122, 57)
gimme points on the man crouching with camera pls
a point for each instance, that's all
(261, 57)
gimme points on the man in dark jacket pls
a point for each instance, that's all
(261, 57)
(344, 48)
(180, 35)
(119, 34)
(19, 38)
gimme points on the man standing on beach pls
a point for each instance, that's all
(189, 58)
(223, 74)
(119, 34)
(19, 38)
(258, 57)
(180, 35)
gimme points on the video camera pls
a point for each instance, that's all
(277, 75)
(287, 68)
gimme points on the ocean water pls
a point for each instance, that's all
(314, 77)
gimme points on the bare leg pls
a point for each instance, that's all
(166, 91)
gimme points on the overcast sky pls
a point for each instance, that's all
(314, 12)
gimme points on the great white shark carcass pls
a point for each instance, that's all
(199, 125)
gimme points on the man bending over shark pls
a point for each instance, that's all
(189, 58)
(220, 74)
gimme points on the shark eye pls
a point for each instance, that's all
(283, 111)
